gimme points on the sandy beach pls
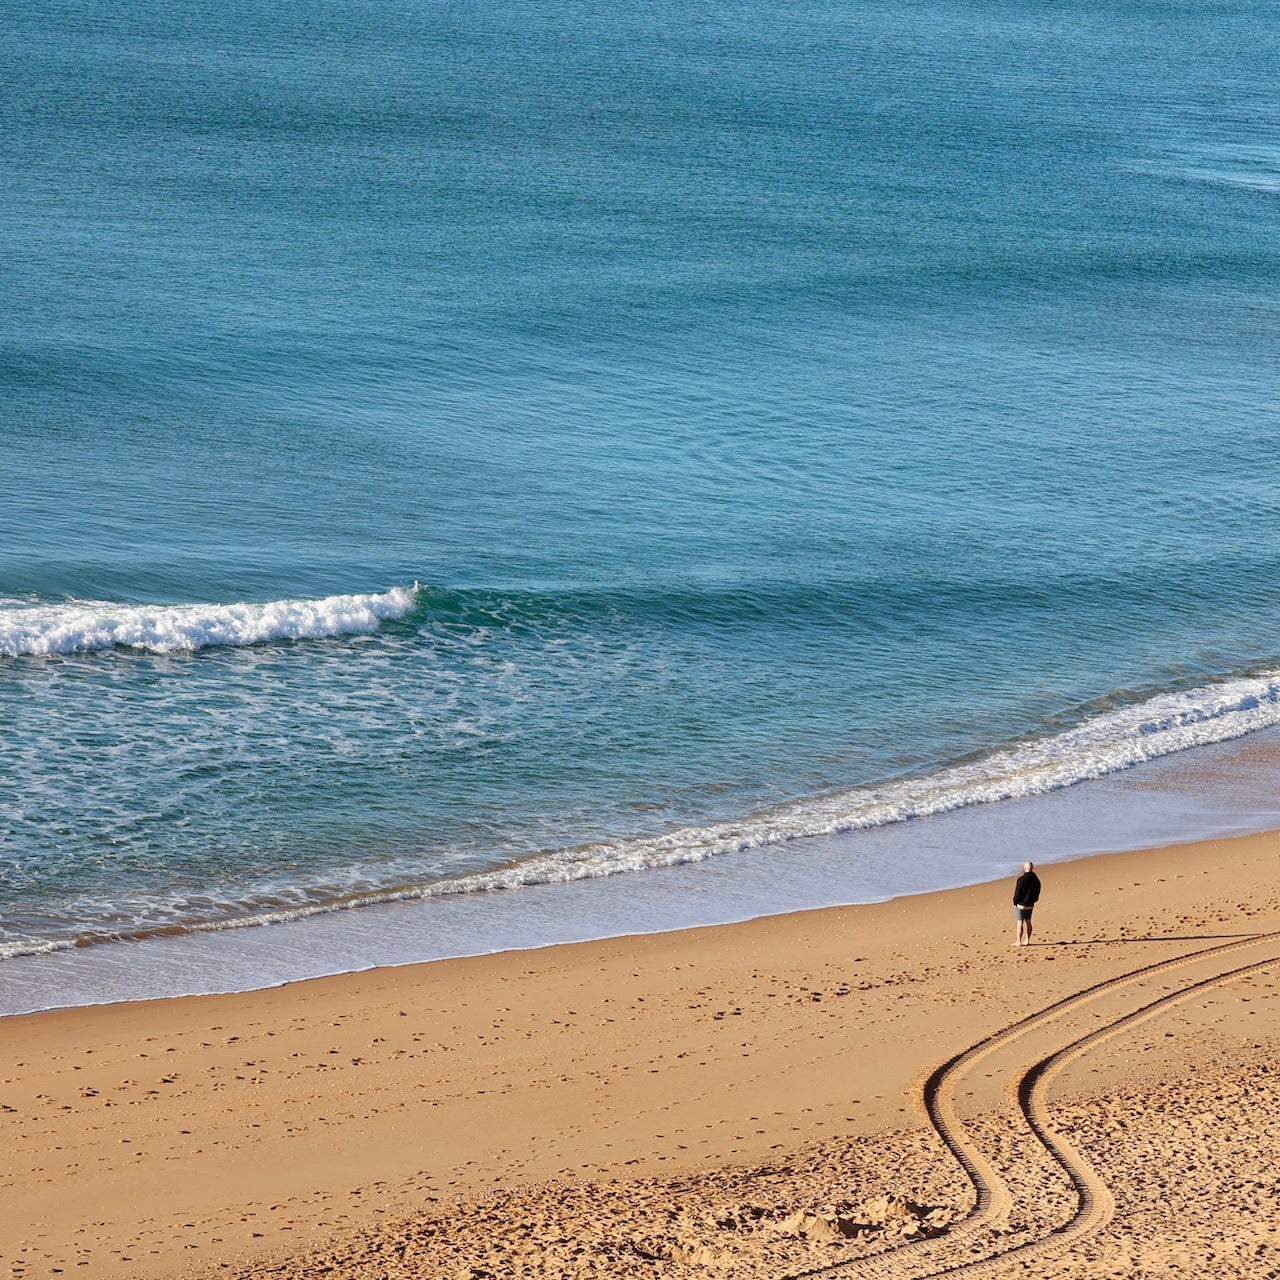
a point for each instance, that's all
(778, 1098)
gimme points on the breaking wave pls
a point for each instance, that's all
(82, 626)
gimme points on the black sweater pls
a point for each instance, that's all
(1027, 891)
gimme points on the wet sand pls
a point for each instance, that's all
(745, 1100)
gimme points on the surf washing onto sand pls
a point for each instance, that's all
(1101, 744)
(491, 449)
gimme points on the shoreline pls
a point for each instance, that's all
(1206, 793)
(261, 1124)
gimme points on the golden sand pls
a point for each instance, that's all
(759, 1100)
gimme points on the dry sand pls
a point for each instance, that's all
(740, 1101)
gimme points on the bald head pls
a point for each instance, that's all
(1028, 866)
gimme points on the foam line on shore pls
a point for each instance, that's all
(1105, 744)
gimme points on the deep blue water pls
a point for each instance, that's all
(732, 423)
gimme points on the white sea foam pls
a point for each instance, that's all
(83, 625)
(1106, 743)
(1116, 739)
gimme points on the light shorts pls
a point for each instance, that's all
(1023, 913)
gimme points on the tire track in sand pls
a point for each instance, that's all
(951, 1254)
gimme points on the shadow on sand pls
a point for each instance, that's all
(1112, 942)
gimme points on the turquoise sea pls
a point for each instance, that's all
(460, 447)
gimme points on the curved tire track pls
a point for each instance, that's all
(993, 1199)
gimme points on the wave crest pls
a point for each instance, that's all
(82, 626)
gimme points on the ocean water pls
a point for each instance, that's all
(450, 448)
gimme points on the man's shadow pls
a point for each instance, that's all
(1112, 942)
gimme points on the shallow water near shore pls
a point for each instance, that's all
(449, 454)
(1222, 791)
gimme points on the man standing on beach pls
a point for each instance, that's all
(1025, 895)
